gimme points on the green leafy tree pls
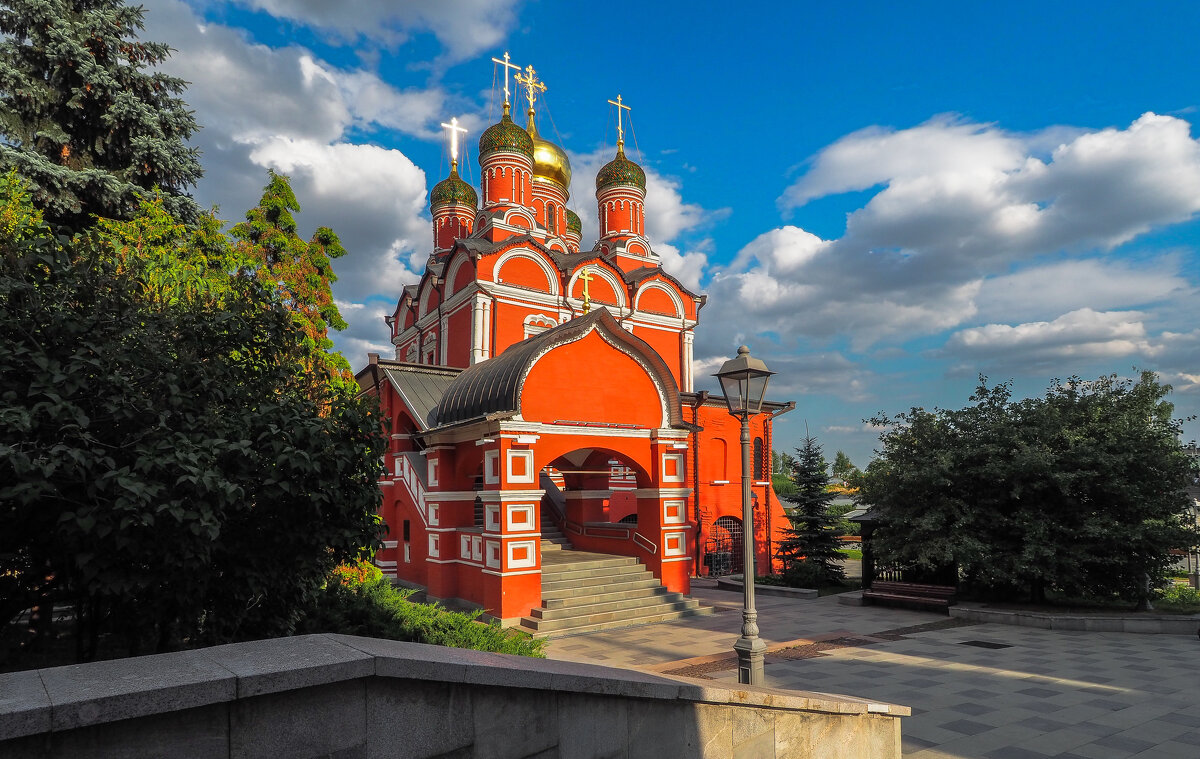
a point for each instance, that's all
(782, 465)
(810, 545)
(83, 119)
(1079, 491)
(162, 471)
(300, 271)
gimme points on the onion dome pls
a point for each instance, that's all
(505, 135)
(573, 223)
(550, 162)
(453, 189)
(621, 170)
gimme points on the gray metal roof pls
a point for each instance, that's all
(493, 387)
(421, 387)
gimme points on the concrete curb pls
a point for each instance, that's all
(730, 583)
(1152, 625)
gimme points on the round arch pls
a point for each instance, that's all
(610, 277)
(550, 274)
(659, 286)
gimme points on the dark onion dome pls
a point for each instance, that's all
(573, 223)
(505, 135)
(453, 189)
(621, 170)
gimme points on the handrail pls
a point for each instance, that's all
(641, 541)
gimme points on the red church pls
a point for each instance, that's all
(550, 461)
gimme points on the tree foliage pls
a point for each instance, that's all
(811, 540)
(300, 272)
(1079, 491)
(81, 117)
(165, 468)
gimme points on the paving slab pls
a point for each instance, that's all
(1025, 692)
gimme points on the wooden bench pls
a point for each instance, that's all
(911, 593)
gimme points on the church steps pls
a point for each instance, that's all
(648, 591)
(558, 624)
(615, 623)
(660, 602)
(574, 590)
(593, 582)
(598, 568)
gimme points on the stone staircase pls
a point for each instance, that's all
(584, 592)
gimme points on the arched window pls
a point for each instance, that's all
(551, 219)
(760, 469)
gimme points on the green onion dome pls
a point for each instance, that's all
(621, 170)
(573, 223)
(453, 189)
(505, 135)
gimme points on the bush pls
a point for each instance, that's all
(1179, 598)
(370, 606)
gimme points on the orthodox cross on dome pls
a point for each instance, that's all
(532, 84)
(585, 277)
(505, 63)
(454, 130)
(620, 125)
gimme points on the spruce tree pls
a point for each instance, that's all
(300, 272)
(809, 549)
(82, 119)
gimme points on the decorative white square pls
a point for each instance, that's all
(435, 513)
(522, 554)
(520, 467)
(433, 471)
(491, 467)
(672, 467)
(399, 466)
(493, 554)
(491, 517)
(520, 517)
(407, 553)
(464, 546)
(434, 542)
(675, 544)
(674, 512)
(476, 548)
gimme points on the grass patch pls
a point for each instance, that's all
(376, 609)
(851, 553)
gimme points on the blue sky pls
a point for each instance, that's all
(884, 200)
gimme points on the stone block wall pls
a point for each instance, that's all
(349, 698)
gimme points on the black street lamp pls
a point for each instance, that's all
(744, 382)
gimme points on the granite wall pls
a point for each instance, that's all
(347, 697)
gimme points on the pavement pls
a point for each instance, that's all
(976, 690)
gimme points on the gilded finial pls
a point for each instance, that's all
(620, 124)
(505, 63)
(533, 86)
(585, 277)
(454, 131)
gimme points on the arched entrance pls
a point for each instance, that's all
(723, 549)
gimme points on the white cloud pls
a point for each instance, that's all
(1077, 336)
(959, 215)
(1043, 291)
(464, 27)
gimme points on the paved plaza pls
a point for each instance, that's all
(976, 690)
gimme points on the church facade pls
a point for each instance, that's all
(539, 386)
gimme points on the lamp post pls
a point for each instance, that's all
(744, 383)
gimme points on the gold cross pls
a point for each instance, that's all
(585, 277)
(620, 107)
(454, 130)
(507, 66)
(532, 85)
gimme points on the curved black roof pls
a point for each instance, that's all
(493, 387)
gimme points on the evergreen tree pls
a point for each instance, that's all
(301, 273)
(81, 118)
(810, 545)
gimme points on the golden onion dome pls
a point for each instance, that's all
(550, 162)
